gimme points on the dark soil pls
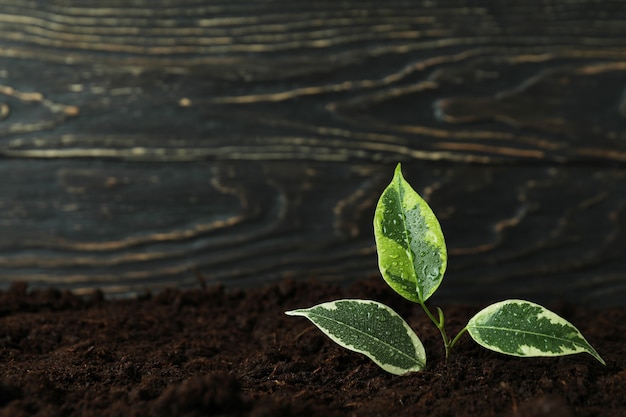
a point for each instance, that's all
(213, 352)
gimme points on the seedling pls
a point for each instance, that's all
(412, 258)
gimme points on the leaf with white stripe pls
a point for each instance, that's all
(522, 328)
(370, 328)
(412, 254)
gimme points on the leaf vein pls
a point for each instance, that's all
(357, 330)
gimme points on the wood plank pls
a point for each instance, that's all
(250, 140)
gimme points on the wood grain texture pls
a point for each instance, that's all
(143, 140)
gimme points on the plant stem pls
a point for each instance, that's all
(441, 326)
(458, 336)
(448, 343)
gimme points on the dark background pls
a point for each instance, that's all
(249, 140)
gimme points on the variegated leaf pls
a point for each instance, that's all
(522, 328)
(412, 254)
(372, 329)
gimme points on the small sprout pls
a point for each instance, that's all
(412, 258)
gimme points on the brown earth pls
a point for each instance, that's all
(219, 353)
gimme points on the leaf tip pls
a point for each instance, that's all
(293, 313)
(398, 170)
(597, 356)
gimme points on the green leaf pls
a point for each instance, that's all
(372, 329)
(412, 254)
(522, 328)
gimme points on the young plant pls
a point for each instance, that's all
(412, 258)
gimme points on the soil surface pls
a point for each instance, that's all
(215, 352)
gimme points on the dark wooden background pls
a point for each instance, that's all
(143, 139)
